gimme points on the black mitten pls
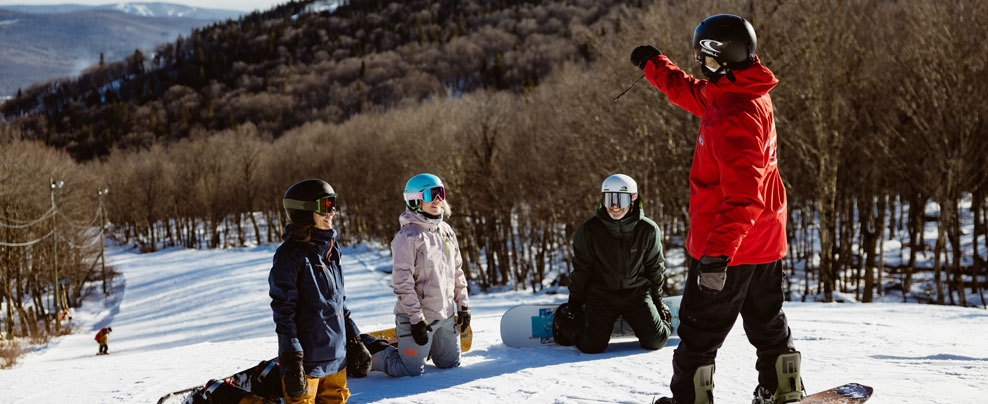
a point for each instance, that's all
(642, 54)
(420, 332)
(358, 358)
(293, 374)
(463, 318)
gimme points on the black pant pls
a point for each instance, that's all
(638, 311)
(754, 291)
(103, 348)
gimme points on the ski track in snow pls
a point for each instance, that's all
(181, 317)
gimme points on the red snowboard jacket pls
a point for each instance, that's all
(737, 199)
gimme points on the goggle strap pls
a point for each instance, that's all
(300, 205)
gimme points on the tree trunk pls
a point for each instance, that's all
(870, 228)
(954, 234)
(828, 239)
(917, 217)
(882, 214)
(941, 241)
(257, 229)
(241, 236)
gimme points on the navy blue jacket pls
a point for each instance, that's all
(307, 297)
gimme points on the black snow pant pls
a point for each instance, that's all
(103, 348)
(638, 311)
(754, 291)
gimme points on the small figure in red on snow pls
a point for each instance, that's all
(101, 338)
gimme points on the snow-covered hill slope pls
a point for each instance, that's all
(180, 317)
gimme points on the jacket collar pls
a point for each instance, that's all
(756, 80)
(415, 218)
(625, 225)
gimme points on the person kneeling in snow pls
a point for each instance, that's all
(428, 280)
(618, 268)
(318, 342)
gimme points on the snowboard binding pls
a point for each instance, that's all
(790, 384)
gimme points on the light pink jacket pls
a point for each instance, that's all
(428, 270)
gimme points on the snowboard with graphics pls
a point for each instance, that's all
(851, 393)
(531, 324)
(259, 384)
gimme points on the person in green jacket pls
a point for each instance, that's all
(618, 269)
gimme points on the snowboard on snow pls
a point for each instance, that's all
(260, 384)
(531, 324)
(851, 393)
(466, 337)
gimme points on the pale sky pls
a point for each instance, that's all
(243, 5)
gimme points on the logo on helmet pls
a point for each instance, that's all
(714, 47)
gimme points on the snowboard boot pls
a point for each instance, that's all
(790, 387)
(703, 385)
(563, 321)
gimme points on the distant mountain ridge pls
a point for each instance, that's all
(143, 9)
(40, 43)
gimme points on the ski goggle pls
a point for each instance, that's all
(427, 195)
(621, 199)
(322, 206)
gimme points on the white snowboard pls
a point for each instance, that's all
(531, 324)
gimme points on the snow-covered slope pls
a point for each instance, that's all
(180, 317)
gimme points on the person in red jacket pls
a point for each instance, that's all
(737, 234)
(101, 339)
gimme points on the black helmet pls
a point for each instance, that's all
(308, 196)
(727, 40)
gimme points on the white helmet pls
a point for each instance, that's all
(619, 183)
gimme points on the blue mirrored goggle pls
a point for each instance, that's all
(427, 195)
(621, 199)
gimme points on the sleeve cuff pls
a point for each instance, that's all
(286, 344)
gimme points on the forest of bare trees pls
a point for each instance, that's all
(878, 113)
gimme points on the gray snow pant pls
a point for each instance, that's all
(408, 359)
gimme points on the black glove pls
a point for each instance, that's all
(420, 332)
(643, 54)
(374, 345)
(463, 318)
(713, 274)
(358, 358)
(664, 312)
(656, 294)
(292, 373)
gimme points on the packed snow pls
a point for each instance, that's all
(181, 317)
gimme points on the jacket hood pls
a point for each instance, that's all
(756, 80)
(412, 217)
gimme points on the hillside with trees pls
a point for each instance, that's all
(869, 137)
(288, 66)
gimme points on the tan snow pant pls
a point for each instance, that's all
(322, 390)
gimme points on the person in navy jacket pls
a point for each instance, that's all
(311, 318)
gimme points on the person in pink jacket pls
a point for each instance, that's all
(428, 280)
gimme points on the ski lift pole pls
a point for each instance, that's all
(102, 225)
(54, 253)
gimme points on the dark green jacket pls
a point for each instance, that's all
(616, 259)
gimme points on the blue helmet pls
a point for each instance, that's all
(423, 187)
